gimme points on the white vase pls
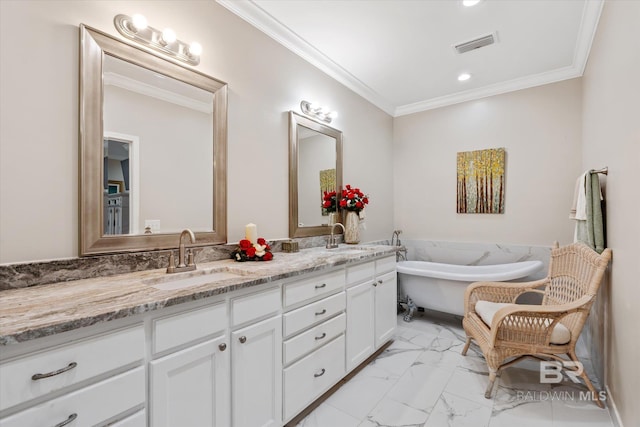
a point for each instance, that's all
(352, 228)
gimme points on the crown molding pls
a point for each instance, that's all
(256, 16)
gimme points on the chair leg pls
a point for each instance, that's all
(492, 379)
(583, 374)
(466, 346)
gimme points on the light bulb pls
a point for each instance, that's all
(168, 35)
(464, 76)
(469, 3)
(139, 22)
(195, 49)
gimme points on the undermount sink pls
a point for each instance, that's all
(201, 278)
(351, 248)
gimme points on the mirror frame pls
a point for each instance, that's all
(296, 119)
(94, 45)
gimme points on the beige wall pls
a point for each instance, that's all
(611, 136)
(39, 120)
(540, 130)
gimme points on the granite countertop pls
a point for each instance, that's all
(40, 311)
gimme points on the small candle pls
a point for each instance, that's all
(251, 233)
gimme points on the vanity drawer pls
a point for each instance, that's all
(306, 380)
(178, 329)
(88, 406)
(360, 273)
(385, 264)
(255, 306)
(313, 338)
(308, 289)
(91, 357)
(303, 317)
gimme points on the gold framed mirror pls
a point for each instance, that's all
(315, 167)
(179, 183)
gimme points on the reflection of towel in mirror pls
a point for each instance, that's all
(589, 221)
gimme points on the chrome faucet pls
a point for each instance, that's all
(185, 256)
(332, 243)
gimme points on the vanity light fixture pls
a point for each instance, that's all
(313, 110)
(135, 28)
(464, 77)
(469, 3)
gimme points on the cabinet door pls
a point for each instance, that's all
(257, 374)
(360, 323)
(191, 387)
(386, 307)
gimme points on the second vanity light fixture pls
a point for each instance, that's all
(165, 41)
(313, 110)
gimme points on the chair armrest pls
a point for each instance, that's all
(513, 320)
(498, 291)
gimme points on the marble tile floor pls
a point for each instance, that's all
(421, 379)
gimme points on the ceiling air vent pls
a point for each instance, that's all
(475, 43)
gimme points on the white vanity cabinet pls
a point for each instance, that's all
(314, 342)
(88, 381)
(255, 356)
(371, 308)
(190, 386)
(256, 359)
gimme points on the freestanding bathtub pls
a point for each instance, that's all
(441, 287)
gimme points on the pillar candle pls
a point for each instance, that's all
(251, 233)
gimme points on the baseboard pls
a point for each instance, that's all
(613, 409)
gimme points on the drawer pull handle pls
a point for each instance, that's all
(243, 339)
(321, 286)
(222, 347)
(319, 374)
(324, 334)
(67, 421)
(71, 365)
(320, 313)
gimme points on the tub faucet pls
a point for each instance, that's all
(185, 256)
(331, 242)
(396, 237)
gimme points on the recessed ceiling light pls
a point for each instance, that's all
(463, 77)
(469, 3)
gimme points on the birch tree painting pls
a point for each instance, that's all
(481, 181)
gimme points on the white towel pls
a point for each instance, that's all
(579, 206)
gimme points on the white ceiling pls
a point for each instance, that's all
(399, 54)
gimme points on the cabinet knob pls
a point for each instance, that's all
(324, 334)
(321, 286)
(319, 374)
(67, 421)
(222, 347)
(243, 339)
(69, 367)
(320, 313)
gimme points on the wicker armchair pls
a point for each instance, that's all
(516, 331)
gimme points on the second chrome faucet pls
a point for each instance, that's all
(332, 241)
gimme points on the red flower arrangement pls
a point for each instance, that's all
(329, 201)
(246, 251)
(353, 199)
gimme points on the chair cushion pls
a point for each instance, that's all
(487, 309)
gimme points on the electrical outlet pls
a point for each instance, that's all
(153, 224)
